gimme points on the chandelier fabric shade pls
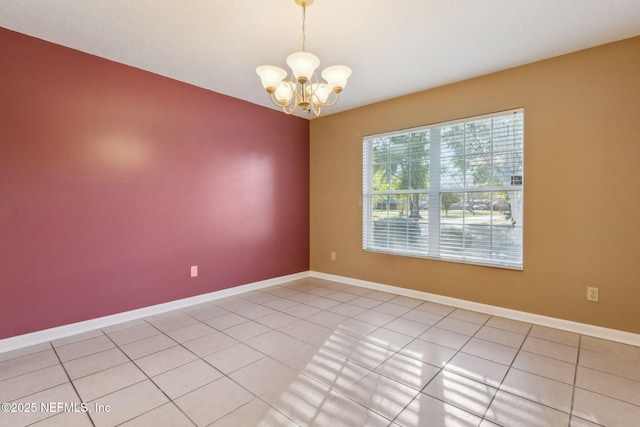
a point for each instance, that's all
(304, 90)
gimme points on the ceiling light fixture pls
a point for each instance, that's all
(303, 89)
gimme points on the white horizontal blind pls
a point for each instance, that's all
(397, 167)
(472, 193)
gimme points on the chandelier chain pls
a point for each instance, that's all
(304, 15)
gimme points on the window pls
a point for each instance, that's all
(449, 191)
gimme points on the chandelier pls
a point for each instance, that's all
(304, 89)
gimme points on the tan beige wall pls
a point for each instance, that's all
(582, 192)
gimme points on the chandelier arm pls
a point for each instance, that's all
(274, 100)
(293, 104)
(289, 112)
(329, 104)
(284, 107)
(315, 108)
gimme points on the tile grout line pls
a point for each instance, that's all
(150, 378)
(441, 368)
(358, 338)
(575, 380)
(575, 386)
(458, 352)
(507, 373)
(225, 375)
(304, 303)
(71, 382)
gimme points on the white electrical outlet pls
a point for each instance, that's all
(592, 294)
(194, 271)
(333, 256)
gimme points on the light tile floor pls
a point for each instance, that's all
(314, 352)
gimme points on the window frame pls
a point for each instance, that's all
(435, 189)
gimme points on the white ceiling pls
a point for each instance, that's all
(394, 47)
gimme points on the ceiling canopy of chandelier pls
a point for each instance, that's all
(303, 89)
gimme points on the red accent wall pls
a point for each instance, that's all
(114, 181)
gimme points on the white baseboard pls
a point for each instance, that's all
(46, 335)
(551, 322)
(52, 334)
